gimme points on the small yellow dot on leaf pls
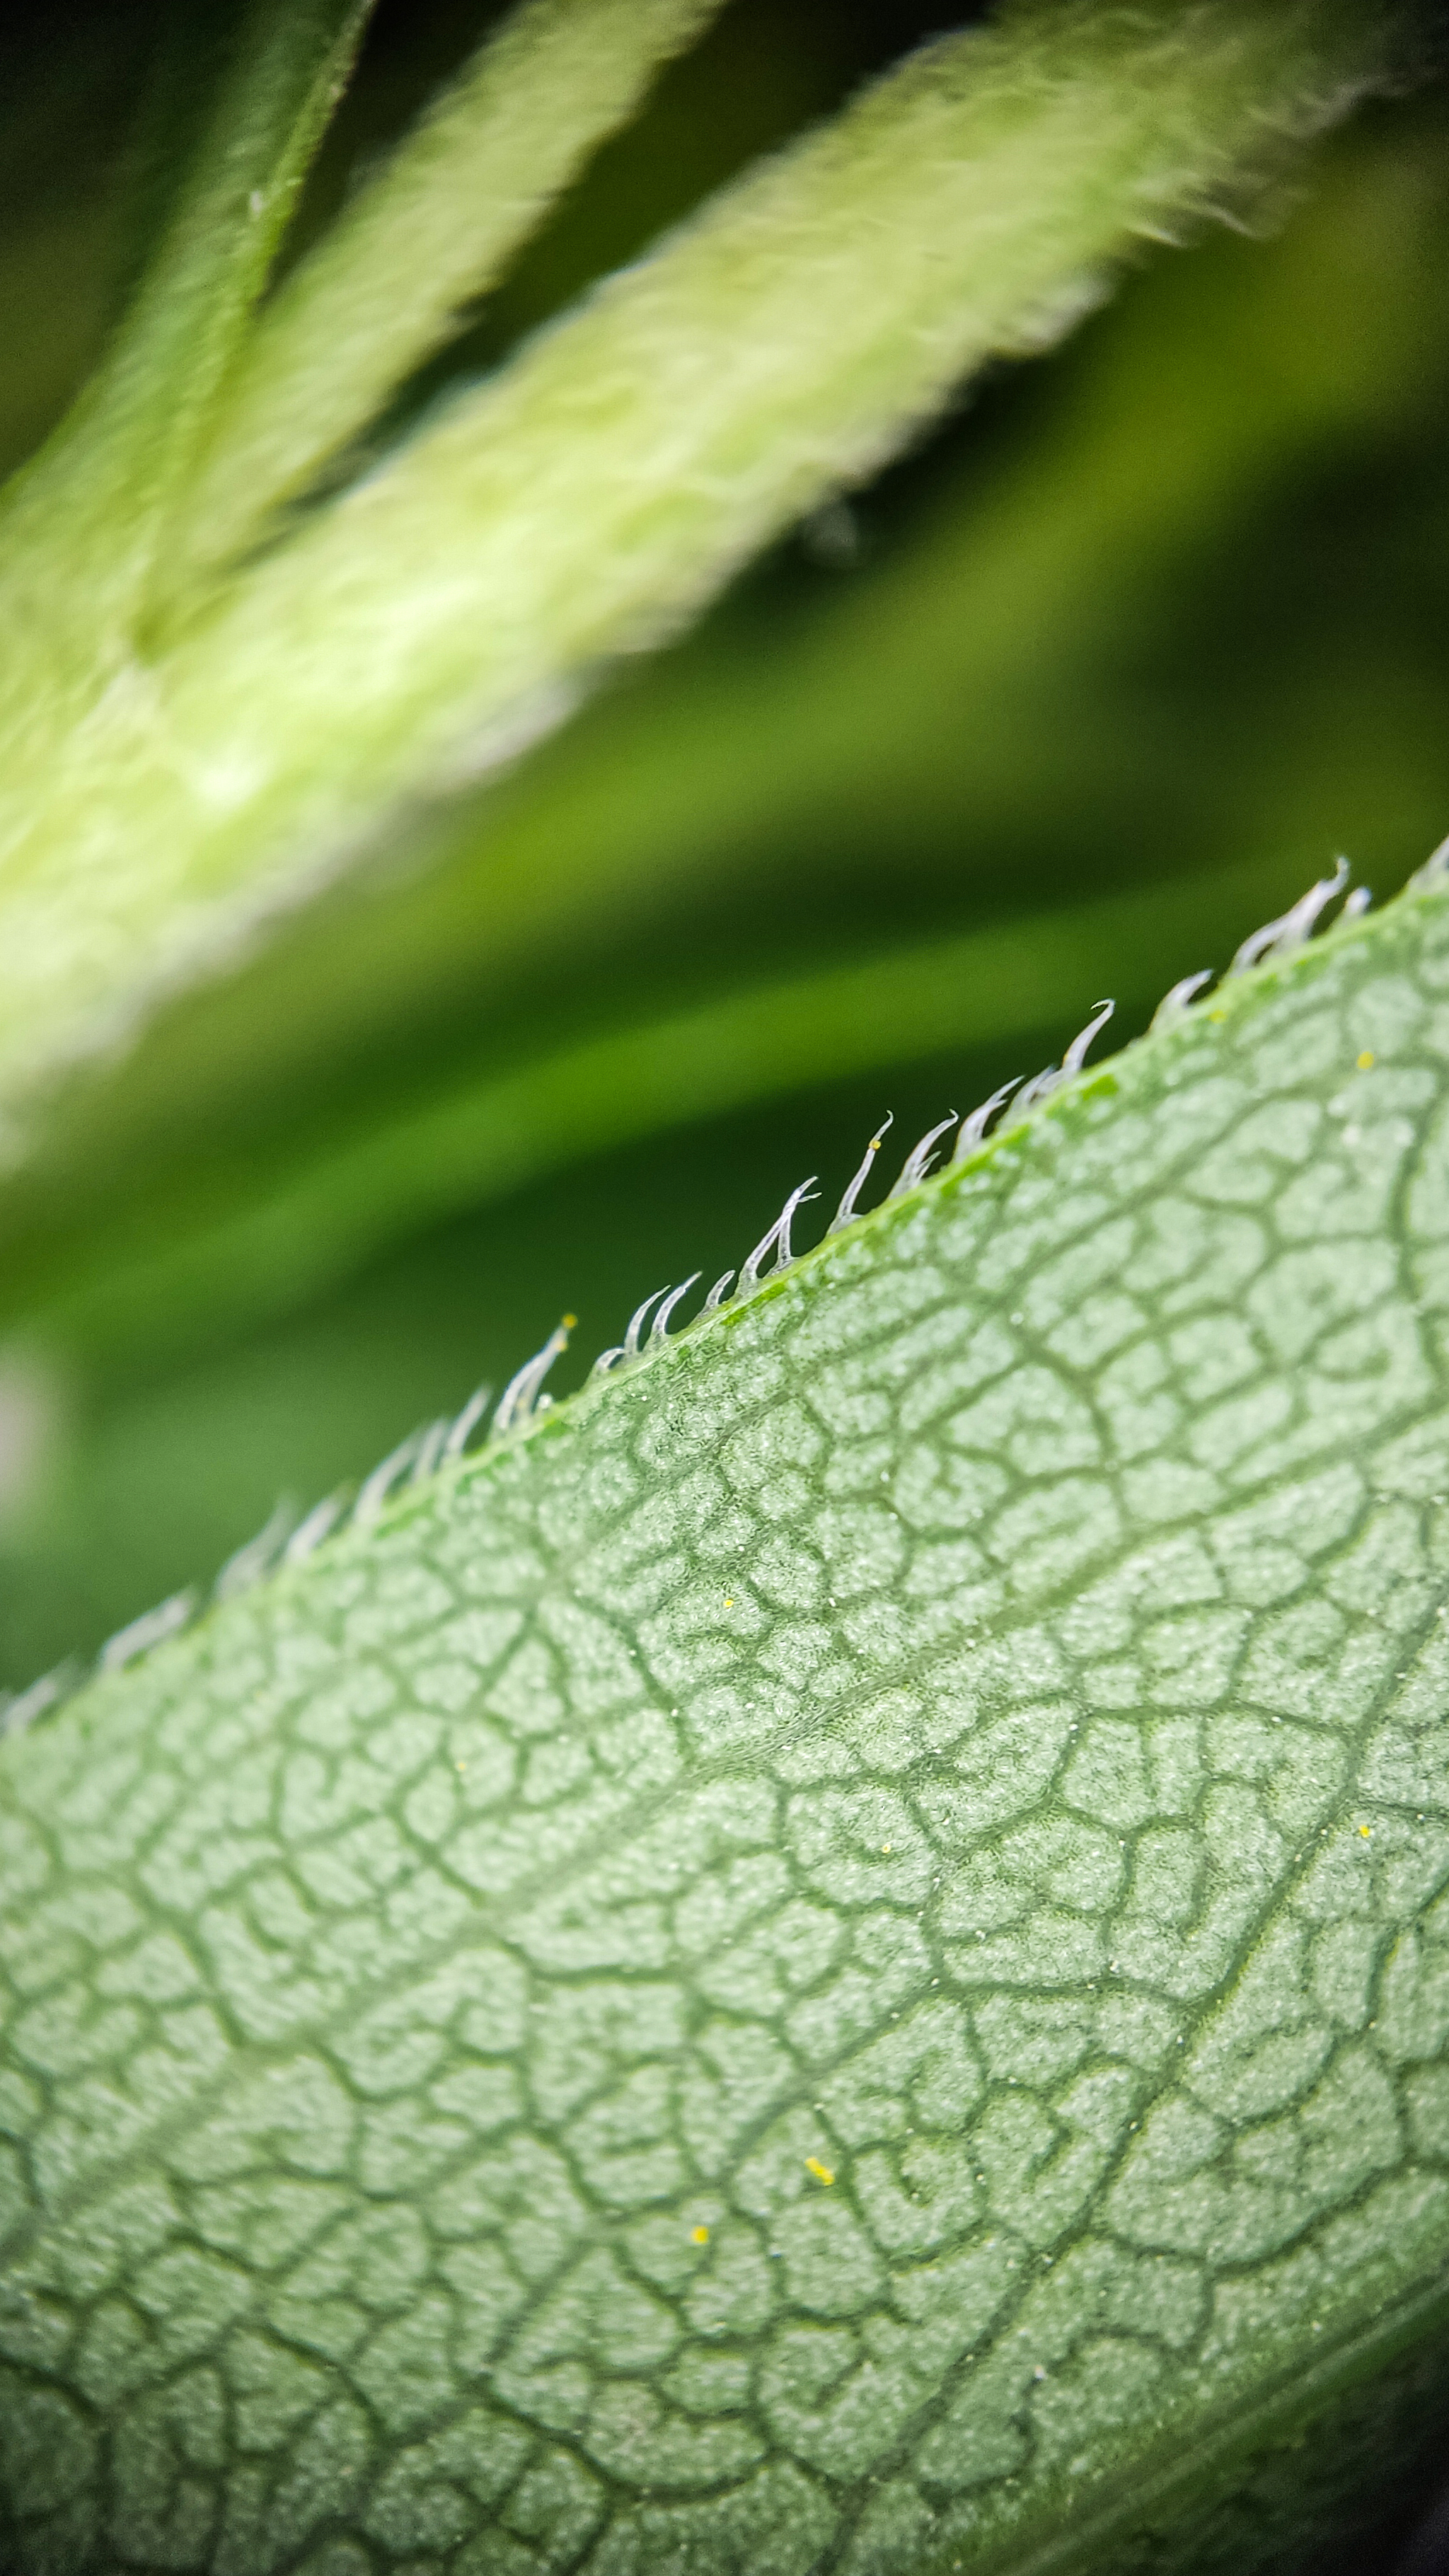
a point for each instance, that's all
(1366, 1060)
(700, 2235)
(821, 2172)
(1367, 1832)
(729, 1601)
(885, 1847)
(1217, 1015)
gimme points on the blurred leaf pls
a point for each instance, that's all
(81, 528)
(963, 702)
(386, 285)
(605, 481)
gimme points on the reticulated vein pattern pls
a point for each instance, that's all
(817, 1964)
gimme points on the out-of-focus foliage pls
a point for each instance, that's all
(202, 725)
(1062, 705)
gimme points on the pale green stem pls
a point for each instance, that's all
(436, 227)
(94, 504)
(1203, 397)
(597, 491)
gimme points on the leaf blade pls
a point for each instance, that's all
(901, 1844)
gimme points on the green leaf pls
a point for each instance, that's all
(832, 1956)
(600, 486)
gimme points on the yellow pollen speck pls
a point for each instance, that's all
(729, 1601)
(821, 2172)
(569, 1322)
(700, 2235)
(1365, 1061)
(1367, 1832)
(885, 1847)
(462, 1766)
(1217, 1015)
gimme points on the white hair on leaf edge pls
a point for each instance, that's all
(973, 1129)
(1280, 938)
(777, 1240)
(845, 1213)
(249, 1563)
(443, 1444)
(522, 1396)
(918, 1161)
(465, 1422)
(319, 1524)
(1177, 1000)
(380, 1483)
(660, 1332)
(139, 1635)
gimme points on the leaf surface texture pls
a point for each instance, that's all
(835, 1958)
